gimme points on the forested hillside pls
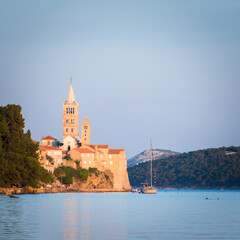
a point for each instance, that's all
(210, 168)
(18, 153)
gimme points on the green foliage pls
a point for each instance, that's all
(107, 177)
(77, 163)
(58, 143)
(18, 153)
(209, 168)
(68, 157)
(69, 172)
(93, 170)
(82, 174)
(58, 172)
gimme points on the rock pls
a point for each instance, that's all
(7, 191)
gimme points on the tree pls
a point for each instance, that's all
(69, 171)
(60, 174)
(68, 157)
(18, 153)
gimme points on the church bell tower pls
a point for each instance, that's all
(70, 115)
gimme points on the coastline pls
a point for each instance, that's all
(30, 190)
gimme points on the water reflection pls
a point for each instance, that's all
(167, 215)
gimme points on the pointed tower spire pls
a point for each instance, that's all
(70, 116)
(71, 97)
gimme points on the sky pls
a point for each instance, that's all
(162, 70)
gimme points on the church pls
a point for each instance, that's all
(79, 148)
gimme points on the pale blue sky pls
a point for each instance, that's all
(166, 70)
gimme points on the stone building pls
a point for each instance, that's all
(50, 157)
(49, 141)
(80, 148)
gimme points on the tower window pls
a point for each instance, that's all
(67, 121)
(73, 110)
(67, 110)
(85, 139)
(85, 127)
(66, 129)
(72, 129)
(73, 121)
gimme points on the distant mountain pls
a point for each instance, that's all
(213, 168)
(146, 156)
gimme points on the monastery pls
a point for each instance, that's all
(53, 154)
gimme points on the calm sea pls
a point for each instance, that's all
(167, 215)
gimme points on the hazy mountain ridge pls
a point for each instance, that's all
(145, 156)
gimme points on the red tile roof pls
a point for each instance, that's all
(115, 151)
(48, 138)
(100, 146)
(83, 150)
(44, 148)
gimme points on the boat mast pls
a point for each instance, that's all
(151, 160)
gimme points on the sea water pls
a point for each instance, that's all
(172, 214)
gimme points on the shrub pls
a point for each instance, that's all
(69, 171)
(68, 157)
(82, 174)
(77, 163)
(107, 177)
(93, 171)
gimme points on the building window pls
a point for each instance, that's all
(84, 162)
(110, 156)
(88, 154)
(72, 130)
(85, 127)
(82, 154)
(48, 142)
(66, 129)
(73, 120)
(67, 121)
(90, 162)
(111, 162)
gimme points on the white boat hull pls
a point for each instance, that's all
(149, 190)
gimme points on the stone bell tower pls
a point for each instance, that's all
(86, 131)
(70, 115)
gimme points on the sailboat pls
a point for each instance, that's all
(150, 189)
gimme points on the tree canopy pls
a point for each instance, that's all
(209, 168)
(19, 163)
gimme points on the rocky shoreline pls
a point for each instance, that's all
(30, 190)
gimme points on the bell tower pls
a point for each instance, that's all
(86, 131)
(70, 115)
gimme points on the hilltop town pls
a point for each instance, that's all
(77, 151)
